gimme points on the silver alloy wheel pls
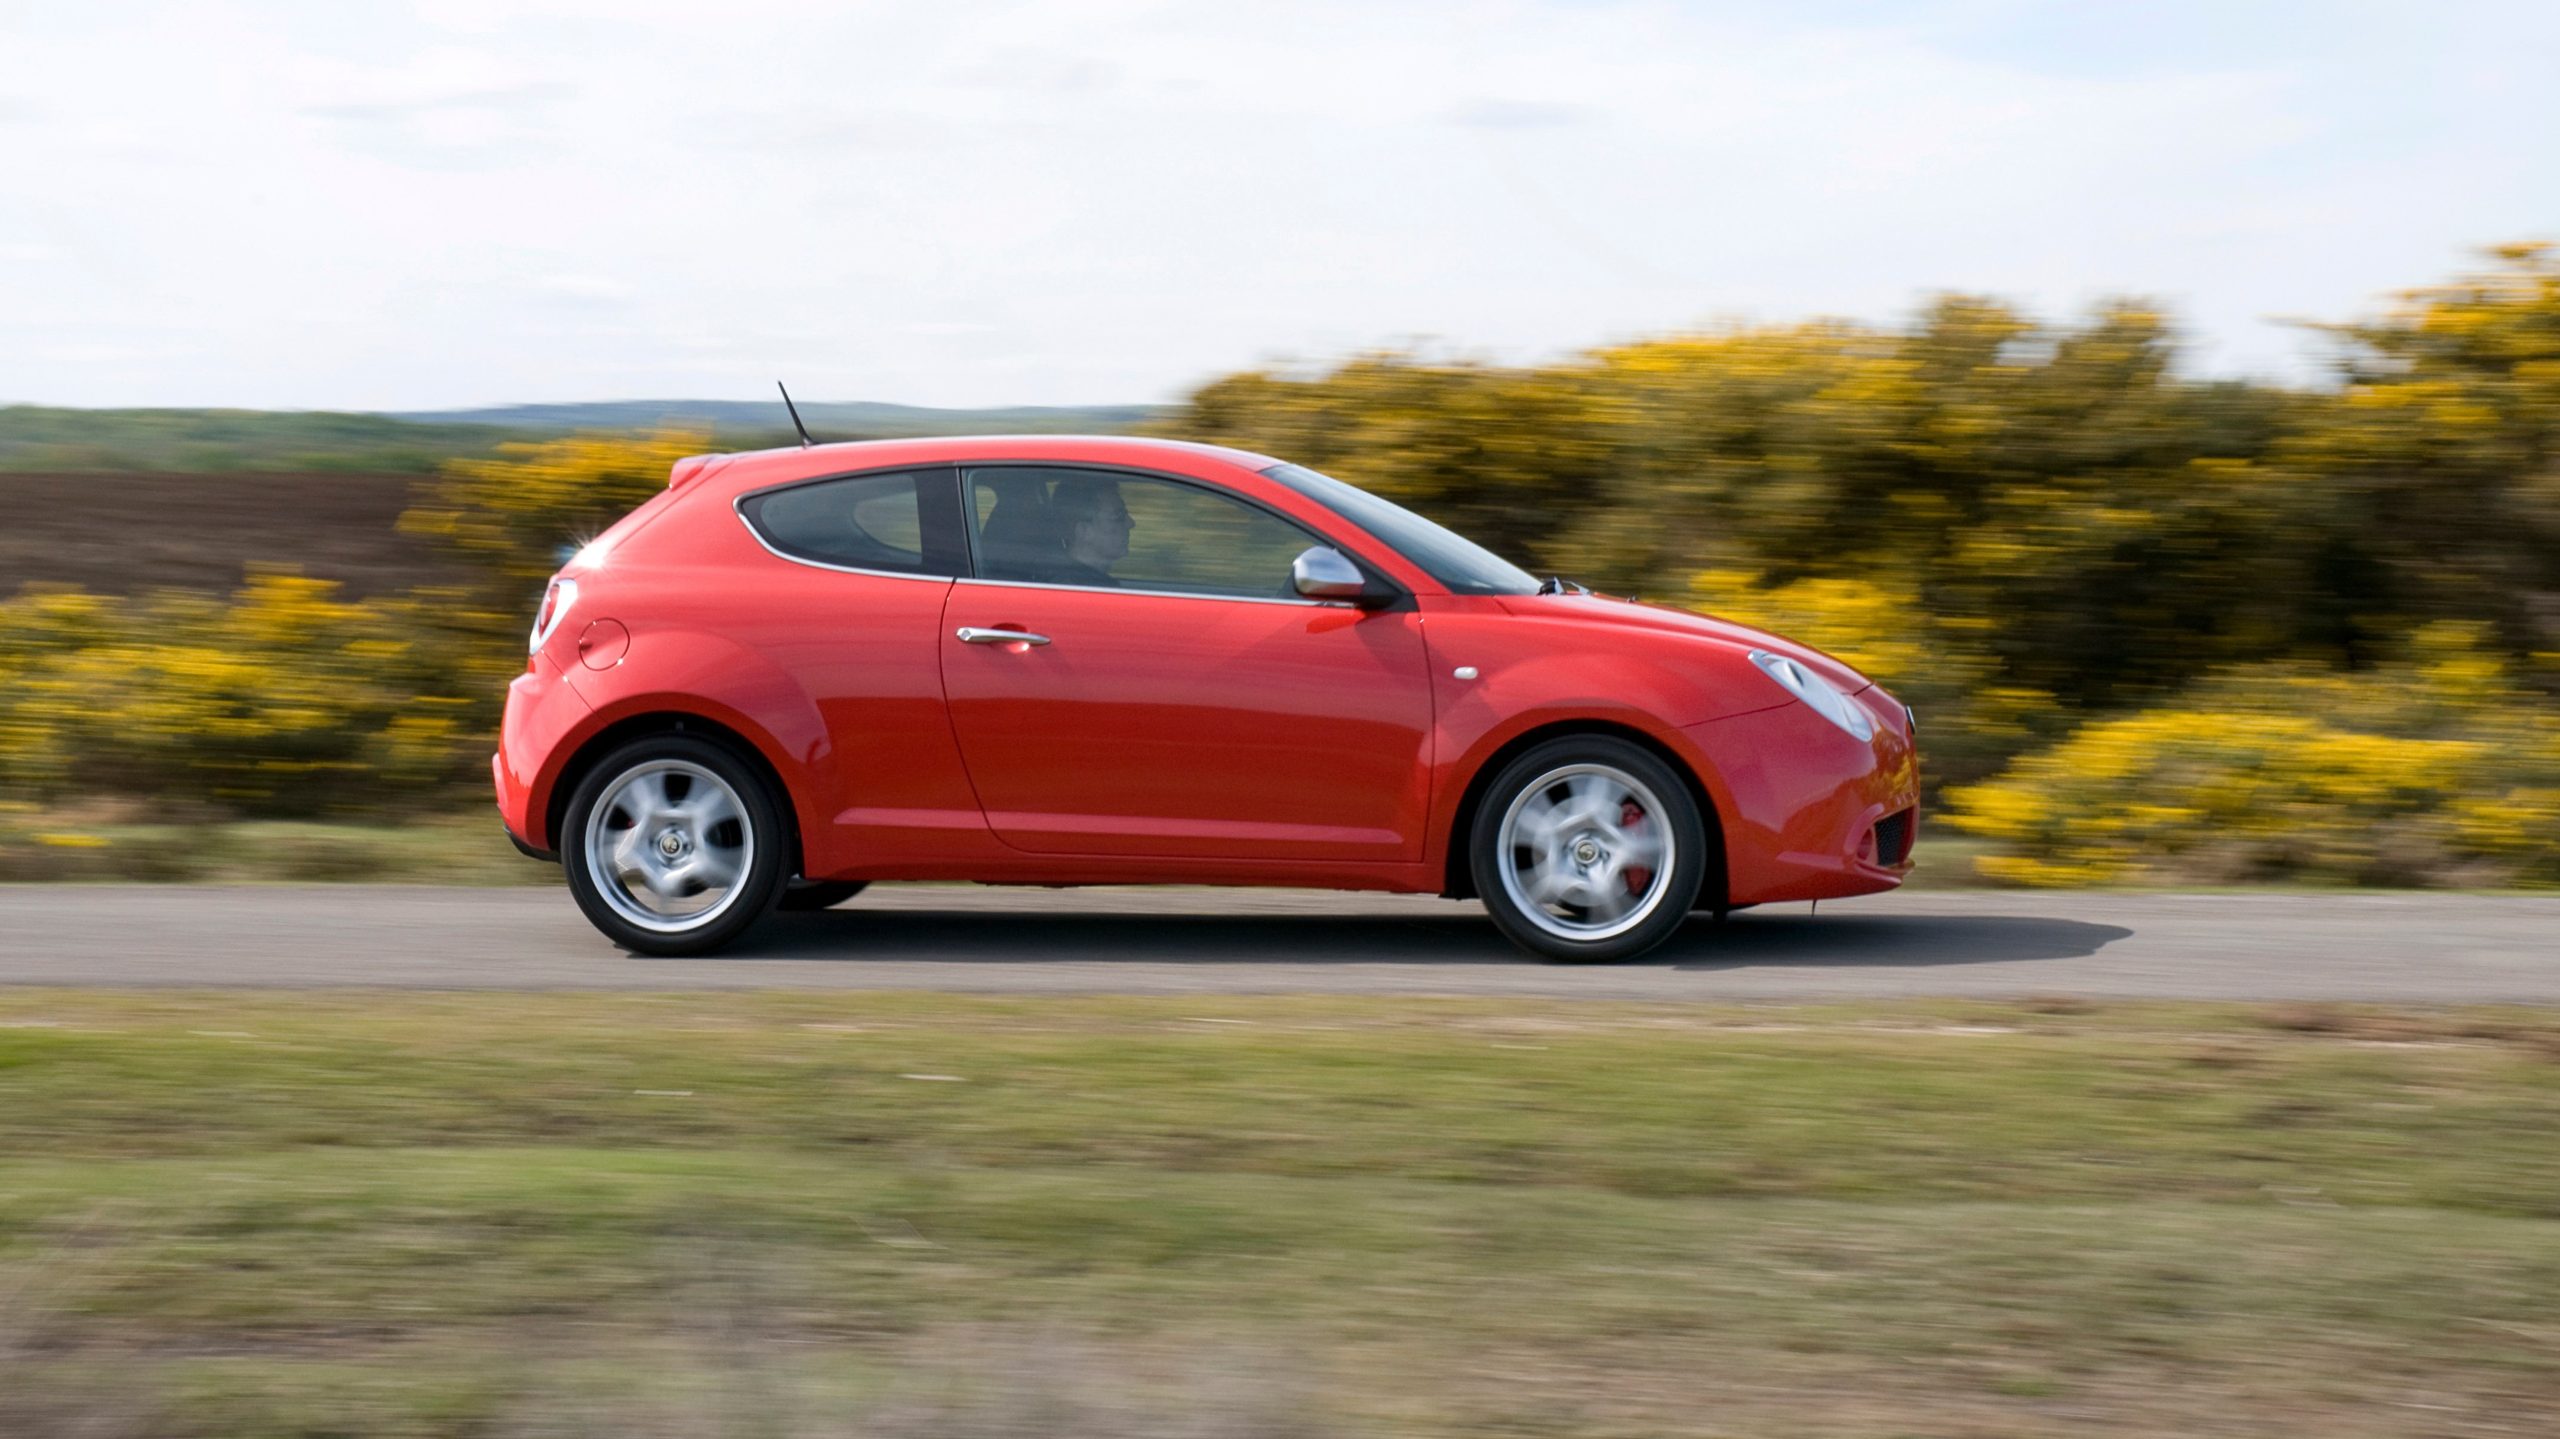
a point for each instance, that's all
(1586, 852)
(669, 845)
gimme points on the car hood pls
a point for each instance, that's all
(1635, 615)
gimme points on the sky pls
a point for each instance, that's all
(360, 204)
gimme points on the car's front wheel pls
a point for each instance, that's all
(1588, 848)
(674, 845)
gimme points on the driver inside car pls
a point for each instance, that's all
(1093, 526)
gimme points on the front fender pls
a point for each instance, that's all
(1533, 672)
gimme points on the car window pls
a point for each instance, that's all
(1466, 567)
(1111, 530)
(870, 522)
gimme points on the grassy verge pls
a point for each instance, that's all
(41, 847)
(1944, 860)
(788, 1214)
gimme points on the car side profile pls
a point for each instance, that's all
(1082, 660)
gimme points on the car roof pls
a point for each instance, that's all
(750, 468)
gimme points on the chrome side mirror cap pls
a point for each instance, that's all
(1325, 573)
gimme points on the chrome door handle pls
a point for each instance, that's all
(972, 635)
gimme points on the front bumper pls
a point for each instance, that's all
(1816, 814)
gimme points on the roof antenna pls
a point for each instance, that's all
(805, 441)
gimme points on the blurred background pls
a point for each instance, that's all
(2162, 398)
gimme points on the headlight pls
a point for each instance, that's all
(1817, 693)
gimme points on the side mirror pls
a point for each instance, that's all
(1324, 573)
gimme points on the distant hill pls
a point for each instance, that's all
(45, 439)
(857, 420)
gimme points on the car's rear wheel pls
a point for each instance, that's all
(1588, 848)
(819, 893)
(673, 845)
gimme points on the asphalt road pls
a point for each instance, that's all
(2381, 947)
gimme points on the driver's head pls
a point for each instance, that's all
(1093, 521)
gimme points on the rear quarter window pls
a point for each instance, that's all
(864, 522)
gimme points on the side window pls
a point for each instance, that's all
(868, 522)
(1132, 532)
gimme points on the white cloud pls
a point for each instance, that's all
(485, 200)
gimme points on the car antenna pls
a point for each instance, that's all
(805, 441)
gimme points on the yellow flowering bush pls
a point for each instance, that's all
(286, 699)
(2434, 769)
(510, 517)
(283, 700)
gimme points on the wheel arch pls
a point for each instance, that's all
(1458, 875)
(622, 731)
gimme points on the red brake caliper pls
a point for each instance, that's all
(1631, 814)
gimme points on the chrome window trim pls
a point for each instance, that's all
(1159, 594)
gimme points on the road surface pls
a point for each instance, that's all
(2378, 947)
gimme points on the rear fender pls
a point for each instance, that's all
(716, 679)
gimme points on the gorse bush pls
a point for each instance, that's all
(282, 700)
(285, 700)
(2434, 768)
(511, 517)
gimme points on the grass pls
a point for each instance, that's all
(70, 847)
(780, 1214)
(1944, 860)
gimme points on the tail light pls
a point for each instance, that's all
(555, 604)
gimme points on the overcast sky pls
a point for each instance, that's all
(375, 205)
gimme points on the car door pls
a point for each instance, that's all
(1171, 694)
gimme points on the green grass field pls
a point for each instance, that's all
(786, 1215)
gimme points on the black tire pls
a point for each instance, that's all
(1655, 801)
(760, 860)
(819, 894)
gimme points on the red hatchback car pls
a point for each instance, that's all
(1112, 661)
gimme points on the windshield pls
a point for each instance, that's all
(1466, 567)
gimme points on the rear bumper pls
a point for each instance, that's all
(548, 856)
(541, 712)
(1808, 799)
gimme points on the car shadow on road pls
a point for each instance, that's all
(1459, 937)
(1800, 940)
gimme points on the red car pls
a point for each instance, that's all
(1114, 661)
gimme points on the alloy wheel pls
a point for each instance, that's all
(1586, 852)
(670, 845)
